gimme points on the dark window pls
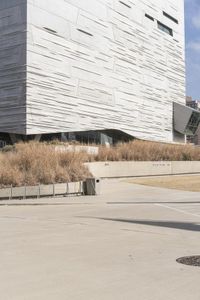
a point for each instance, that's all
(165, 28)
(125, 4)
(193, 123)
(149, 17)
(50, 30)
(83, 31)
(170, 17)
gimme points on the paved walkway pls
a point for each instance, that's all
(120, 245)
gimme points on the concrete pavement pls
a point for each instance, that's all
(120, 245)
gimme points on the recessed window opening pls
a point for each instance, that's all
(125, 4)
(165, 28)
(149, 17)
(170, 17)
(193, 123)
(50, 30)
(86, 32)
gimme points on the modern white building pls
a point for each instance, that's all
(113, 67)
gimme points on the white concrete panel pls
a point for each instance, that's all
(96, 64)
(142, 168)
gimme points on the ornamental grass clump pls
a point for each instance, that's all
(148, 151)
(38, 163)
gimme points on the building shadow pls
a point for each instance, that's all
(166, 224)
(153, 202)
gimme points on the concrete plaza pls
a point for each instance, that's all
(120, 245)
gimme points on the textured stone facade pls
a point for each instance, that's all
(92, 65)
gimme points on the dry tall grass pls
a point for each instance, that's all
(184, 183)
(148, 151)
(38, 163)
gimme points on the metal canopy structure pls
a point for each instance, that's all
(186, 119)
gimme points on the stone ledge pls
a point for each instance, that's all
(38, 191)
(117, 169)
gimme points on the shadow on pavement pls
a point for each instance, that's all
(166, 224)
(155, 202)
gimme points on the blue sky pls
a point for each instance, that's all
(192, 20)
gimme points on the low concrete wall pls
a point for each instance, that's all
(185, 167)
(42, 190)
(141, 168)
(94, 150)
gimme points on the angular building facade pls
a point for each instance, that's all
(73, 66)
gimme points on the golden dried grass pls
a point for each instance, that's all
(38, 163)
(184, 183)
(148, 151)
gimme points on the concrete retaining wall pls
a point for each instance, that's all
(42, 190)
(137, 168)
(94, 150)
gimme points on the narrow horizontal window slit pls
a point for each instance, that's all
(149, 17)
(50, 30)
(86, 32)
(165, 28)
(170, 17)
(125, 4)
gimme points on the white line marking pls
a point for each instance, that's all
(178, 210)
